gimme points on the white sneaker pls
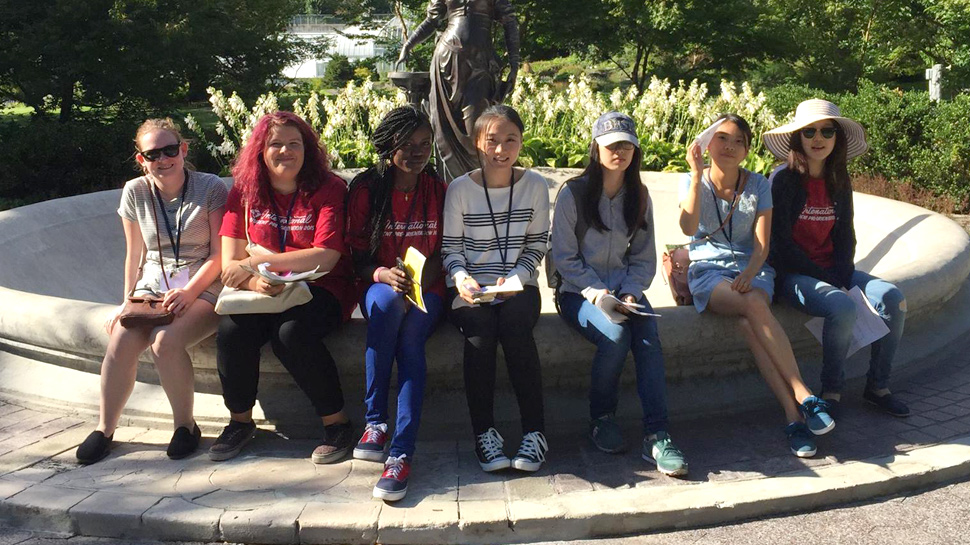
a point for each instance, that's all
(532, 452)
(488, 448)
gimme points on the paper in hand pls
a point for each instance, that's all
(868, 328)
(704, 138)
(413, 267)
(275, 278)
(608, 305)
(487, 294)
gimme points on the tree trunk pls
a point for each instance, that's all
(636, 68)
(67, 102)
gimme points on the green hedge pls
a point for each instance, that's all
(44, 159)
(912, 140)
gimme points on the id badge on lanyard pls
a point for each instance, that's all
(177, 279)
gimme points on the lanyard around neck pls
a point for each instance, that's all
(280, 230)
(503, 252)
(729, 231)
(176, 239)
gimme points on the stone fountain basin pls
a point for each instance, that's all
(61, 271)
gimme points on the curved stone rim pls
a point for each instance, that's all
(695, 345)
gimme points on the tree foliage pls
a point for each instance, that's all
(62, 55)
(668, 38)
(828, 44)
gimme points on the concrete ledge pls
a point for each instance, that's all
(53, 301)
(564, 517)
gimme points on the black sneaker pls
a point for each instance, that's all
(231, 441)
(338, 439)
(532, 452)
(184, 442)
(488, 449)
(887, 403)
(94, 448)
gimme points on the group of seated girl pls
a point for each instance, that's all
(488, 227)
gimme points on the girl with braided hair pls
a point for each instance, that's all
(392, 206)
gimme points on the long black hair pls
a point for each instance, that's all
(836, 164)
(636, 193)
(393, 132)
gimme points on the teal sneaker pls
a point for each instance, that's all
(661, 450)
(800, 440)
(605, 434)
(816, 415)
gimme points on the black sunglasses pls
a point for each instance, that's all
(153, 155)
(827, 132)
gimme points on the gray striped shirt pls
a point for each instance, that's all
(470, 246)
(204, 193)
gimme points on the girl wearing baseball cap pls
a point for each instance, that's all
(814, 245)
(727, 211)
(603, 245)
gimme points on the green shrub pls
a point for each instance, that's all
(942, 164)
(339, 71)
(783, 99)
(894, 123)
(44, 159)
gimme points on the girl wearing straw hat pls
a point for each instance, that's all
(814, 245)
(727, 212)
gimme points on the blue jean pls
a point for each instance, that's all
(613, 342)
(818, 298)
(397, 330)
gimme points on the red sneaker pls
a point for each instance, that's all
(393, 484)
(372, 443)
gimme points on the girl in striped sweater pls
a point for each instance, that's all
(496, 223)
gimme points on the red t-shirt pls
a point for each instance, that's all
(315, 222)
(416, 220)
(813, 228)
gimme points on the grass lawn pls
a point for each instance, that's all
(15, 109)
(201, 111)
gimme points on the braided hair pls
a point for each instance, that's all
(394, 130)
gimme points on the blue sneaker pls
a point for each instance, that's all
(816, 415)
(800, 440)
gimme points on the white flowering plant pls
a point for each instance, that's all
(558, 123)
(344, 122)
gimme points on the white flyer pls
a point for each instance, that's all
(868, 328)
(704, 138)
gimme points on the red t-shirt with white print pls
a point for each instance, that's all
(416, 220)
(812, 230)
(317, 221)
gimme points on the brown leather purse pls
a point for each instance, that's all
(147, 311)
(676, 260)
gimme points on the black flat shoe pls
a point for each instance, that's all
(94, 448)
(887, 403)
(184, 442)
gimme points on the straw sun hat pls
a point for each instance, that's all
(809, 112)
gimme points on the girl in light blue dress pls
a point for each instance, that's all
(727, 209)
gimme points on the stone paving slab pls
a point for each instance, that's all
(740, 468)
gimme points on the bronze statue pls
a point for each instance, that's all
(465, 72)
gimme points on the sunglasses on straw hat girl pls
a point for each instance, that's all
(813, 246)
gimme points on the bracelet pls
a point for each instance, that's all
(377, 273)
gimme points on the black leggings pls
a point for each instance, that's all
(511, 324)
(297, 340)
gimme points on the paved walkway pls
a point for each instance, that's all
(940, 515)
(740, 468)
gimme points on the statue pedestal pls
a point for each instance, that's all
(416, 85)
